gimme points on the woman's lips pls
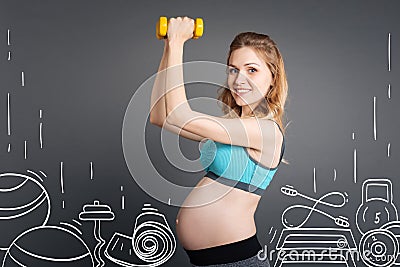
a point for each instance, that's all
(241, 91)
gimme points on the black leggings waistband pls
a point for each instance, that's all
(227, 253)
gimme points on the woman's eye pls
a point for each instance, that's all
(233, 71)
(252, 70)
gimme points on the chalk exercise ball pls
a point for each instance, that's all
(48, 246)
(24, 204)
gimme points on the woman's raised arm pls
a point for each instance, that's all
(158, 111)
(157, 103)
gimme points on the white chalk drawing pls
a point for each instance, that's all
(77, 222)
(34, 173)
(388, 150)
(122, 199)
(43, 173)
(295, 246)
(353, 136)
(312, 244)
(22, 78)
(389, 91)
(152, 242)
(40, 130)
(63, 204)
(375, 210)
(379, 248)
(9, 148)
(71, 226)
(9, 56)
(97, 213)
(355, 166)
(291, 191)
(41, 135)
(374, 121)
(334, 174)
(394, 228)
(315, 181)
(91, 170)
(62, 176)
(377, 220)
(25, 150)
(273, 237)
(24, 203)
(8, 115)
(45, 246)
(8, 37)
(389, 56)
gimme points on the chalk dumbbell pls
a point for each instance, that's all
(162, 27)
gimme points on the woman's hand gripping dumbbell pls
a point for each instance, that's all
(166, 28)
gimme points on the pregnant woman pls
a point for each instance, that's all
(240, 150)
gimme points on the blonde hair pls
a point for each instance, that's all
(274, 101)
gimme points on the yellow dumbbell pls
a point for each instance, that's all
(162, 27)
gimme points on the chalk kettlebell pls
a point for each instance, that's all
(376, 208)
(162, 28)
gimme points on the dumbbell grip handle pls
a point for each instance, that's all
(197, 26)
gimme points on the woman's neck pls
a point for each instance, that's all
(246, 112)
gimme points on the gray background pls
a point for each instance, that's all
(83, 61)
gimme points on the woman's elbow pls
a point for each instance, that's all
(156, 121)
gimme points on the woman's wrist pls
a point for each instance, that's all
(175, 42)
(165, 45)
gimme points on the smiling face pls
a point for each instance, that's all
(249, 77)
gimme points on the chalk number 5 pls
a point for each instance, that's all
(377, 219)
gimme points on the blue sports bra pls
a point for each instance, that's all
(233, 166)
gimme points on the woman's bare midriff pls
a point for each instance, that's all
(214, 214)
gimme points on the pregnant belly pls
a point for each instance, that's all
(214, 214)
